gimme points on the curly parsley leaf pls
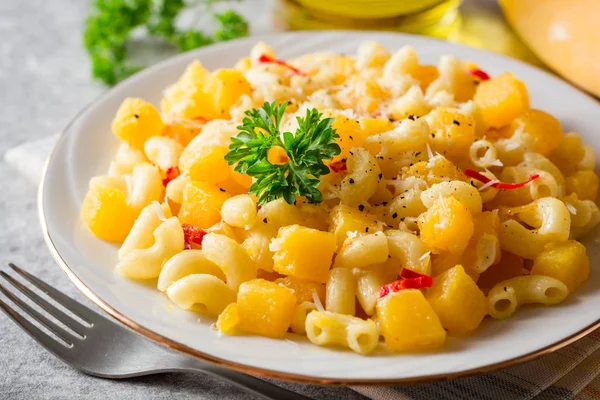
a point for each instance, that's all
(111, 22)
(306, 149)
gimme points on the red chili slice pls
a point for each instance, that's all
(172, 173)
(266, 59)
(422, 282)
(338, 166)
(482, 75)
(201, 119)
(410, 274)
(192, 234)
(471, 173)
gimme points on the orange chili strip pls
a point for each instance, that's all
(471, 173)
(482, 75)
(201, 119)
(266, 59)
(338, 166)
(192, 234)
(422, 282)
(172, 173)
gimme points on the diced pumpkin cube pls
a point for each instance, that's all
(374, 126)
(457, 301)
(442, 262)
(350, 135)
(265, 308)
(446, 226)
(303, 289)
(346, 219)
(452, 132)
(408, 323)
(303, 252)
(183, 130)
(205, 163)
(536, 131)
(584, 184)
(500, 100)
(201, 204)
(136, 121)
(229, 319)
(106, 213)
(236, 183)
(425, 74)
(567, 262)
(194, 75)
(226, 87)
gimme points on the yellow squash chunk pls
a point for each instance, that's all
(303, 252)
(303, 289)
(452, 132)
(457, 301)
(425, 74)
(446, 226)
(265, 308)
(226, 86)
(351, 135)
(205, 163)
(537, 131)
(567, 262)
(202, 204)
(229, 319)
(106, 213)
(408, 323)
(183, 130)
(500, 100)
(374, 126)
(136, 121)
(584, 184)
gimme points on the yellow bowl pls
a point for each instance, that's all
(369, 8)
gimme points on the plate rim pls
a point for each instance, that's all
(264, 372)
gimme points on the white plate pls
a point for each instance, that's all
(87, 145)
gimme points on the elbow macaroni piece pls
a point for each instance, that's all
(141, 235)
(340, 291)
(550, 219)
(203, 292)
(362, 251)
(507, 296)
(326, 328)
(162, 151)
(409, 250)
(145, 186)
(186, 263)
(301, 311)
(483, 154)
(147, 263)
(231, 257)
(239, 211)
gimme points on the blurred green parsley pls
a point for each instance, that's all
(111, 22)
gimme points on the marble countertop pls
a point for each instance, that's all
(44, 81)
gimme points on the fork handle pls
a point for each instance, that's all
(258, 386)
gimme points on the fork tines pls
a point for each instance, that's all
(68, 337)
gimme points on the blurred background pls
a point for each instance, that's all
(122, 36)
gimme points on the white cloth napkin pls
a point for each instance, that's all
(570, 373)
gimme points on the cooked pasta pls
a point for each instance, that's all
(318, 194)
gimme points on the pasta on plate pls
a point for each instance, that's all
(411, 202)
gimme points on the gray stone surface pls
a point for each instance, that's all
(44, 81)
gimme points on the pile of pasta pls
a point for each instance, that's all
(451, 200)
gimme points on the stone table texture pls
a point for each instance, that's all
(44, 81)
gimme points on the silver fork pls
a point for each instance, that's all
(100, 347)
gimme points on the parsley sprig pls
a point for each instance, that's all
(111, 22)
(313, 142)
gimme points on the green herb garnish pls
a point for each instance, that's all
(313, 142)
(109, 26)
